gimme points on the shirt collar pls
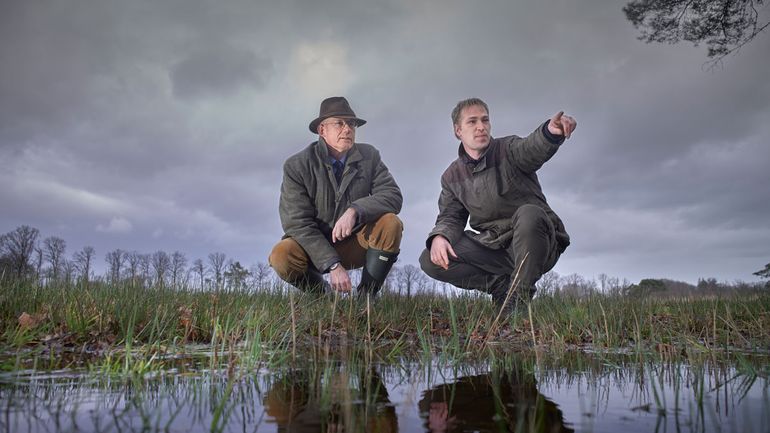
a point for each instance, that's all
(344, 158)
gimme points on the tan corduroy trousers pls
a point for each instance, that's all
(290, 261)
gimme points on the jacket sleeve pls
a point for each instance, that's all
(452, 216)
(385, 194)
(530, 153)
(297, 212)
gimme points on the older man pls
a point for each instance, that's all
(516, 236)
(338, 209)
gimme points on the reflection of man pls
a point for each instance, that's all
(493, 186)
(338, 208)
(481, 403)
(296, 405)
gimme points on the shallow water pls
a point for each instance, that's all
(595, 392)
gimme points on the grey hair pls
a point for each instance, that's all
(465, 103)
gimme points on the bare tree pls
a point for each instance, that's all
(423, 282)
(83, 261)
(133, 266)
(178, 265)
(199, 269)
(236, 275)
(613, 286)
(217, 266)
(115, 261)
(18, 247)
(161, 265)
(6, 268)
(576, 285)
(724, 25)
(38, 257)
(68, 270)
(391, 281)
(548, 283)
(145, 265)
(408, 277)
(603, 279)
(53, 251)
(260, 274)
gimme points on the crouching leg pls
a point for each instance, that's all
(382, 241)
(291, 263)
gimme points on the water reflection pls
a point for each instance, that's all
(588, 393)
(490, 402)
(297, 404)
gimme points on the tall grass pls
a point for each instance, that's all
(265, 325)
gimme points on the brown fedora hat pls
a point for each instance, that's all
(336, 106)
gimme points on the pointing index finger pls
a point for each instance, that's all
(571, 124)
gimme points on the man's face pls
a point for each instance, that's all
(338, 132)
(474, 129)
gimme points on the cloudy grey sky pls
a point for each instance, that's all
(163, 125)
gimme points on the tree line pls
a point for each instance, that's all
(24, 255)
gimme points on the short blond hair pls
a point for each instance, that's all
(465, 103)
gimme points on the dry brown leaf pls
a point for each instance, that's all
(185, 316)
(27, 321)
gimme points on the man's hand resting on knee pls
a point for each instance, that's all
(440, 250)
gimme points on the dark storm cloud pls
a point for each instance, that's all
(688, 142)
(48, 54)
(218, 71)
(90, 135)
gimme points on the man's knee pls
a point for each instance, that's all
(386, 233)
(288, 259)
(530, 217)
(391, 224)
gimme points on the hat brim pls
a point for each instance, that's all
(314, 124)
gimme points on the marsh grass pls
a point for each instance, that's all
(275, 325)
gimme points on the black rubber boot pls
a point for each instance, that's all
(311, 282)
(509, 304)
(378, 264)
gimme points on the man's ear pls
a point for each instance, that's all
(457, 131)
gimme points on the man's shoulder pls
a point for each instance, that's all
(366, 149)
(364, 153)
(500, 142)
(303, 156)
(456, 171)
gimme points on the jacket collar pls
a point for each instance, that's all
(474, 164)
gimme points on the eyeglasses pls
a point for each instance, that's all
(352, 123)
